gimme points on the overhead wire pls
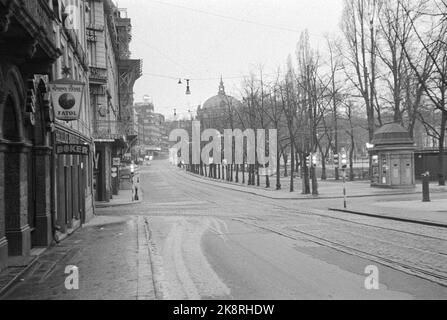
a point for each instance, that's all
(226, 16)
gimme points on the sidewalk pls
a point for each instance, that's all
(327, 189)
(113, 261)
(362, 199)
(432, 213)
(123, 198)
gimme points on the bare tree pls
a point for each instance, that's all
(359, 29)
(433, 43)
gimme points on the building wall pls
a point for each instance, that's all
(29, 50)
(70, 169)
(105, 106)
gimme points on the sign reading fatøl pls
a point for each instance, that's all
(67, 95)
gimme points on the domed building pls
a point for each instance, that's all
(218, 111)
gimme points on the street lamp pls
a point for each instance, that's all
(344, 165)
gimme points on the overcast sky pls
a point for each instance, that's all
(203, 39)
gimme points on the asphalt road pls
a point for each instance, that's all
(209, 242)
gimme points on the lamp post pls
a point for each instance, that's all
(344, 165)
(314, 174)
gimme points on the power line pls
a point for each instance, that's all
(157, 75)
(167, 57)
(227, 17)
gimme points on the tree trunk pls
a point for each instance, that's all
(323, 167)
(278, 170)
(267, 176)
(351, 154)
(441, 176)
(285, 158)
(292, 166)
(297, 163)
(306, 178)
(243, 173)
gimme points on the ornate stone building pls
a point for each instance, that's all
(41, 193)
(112, 76)
(47, 192)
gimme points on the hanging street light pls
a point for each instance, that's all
(188, 91)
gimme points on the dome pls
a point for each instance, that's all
(392, 133)
(221, 100)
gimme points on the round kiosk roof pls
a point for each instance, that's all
(392, 133)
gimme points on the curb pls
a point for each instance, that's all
(18, 276)
(422, 222)
(310, 197)
(101, 206)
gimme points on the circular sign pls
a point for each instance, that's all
(114, 169)
(67, 101)
(114, 175)
(102, 111)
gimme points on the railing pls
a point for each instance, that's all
(95, 27)
(113, 129)
(98, 75)
(104, 129)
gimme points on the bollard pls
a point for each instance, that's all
(426, 187)
(136, 194)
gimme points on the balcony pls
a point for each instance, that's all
(27, 27)
(114, 131)
(107, 130)
(95, 27)
(98, 75)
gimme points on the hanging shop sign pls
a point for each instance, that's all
(73, 149)
(67, 95)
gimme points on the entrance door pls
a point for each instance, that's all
(406, 171)
(395, 172)
(32, 192)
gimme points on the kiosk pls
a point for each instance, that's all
(392, 158)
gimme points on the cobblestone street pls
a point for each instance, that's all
(208, 242)
(188, 239)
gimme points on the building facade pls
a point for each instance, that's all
(42, 194)
(47, 190)
(108, 33)
(152, 134)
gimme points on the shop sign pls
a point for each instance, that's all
(73, 149)
(67, 96)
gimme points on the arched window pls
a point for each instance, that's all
(10, 126)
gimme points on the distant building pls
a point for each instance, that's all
(217, 111)
(151, 129)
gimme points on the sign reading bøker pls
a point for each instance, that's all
(75, 149)
(67, 95)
